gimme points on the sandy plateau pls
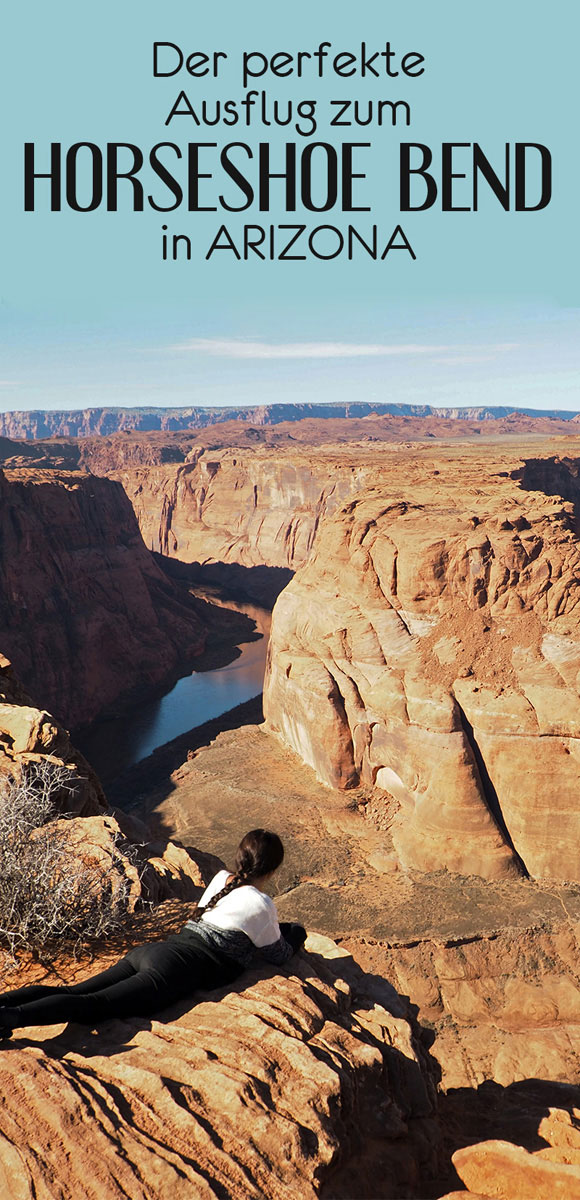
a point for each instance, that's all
(419, 753)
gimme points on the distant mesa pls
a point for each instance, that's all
(105, 421)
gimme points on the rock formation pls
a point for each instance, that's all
(246, 507)
(316, 1080)
(424, 662)
(294, 1083)
(197, 503)
(294, 1078)
(155, 868)
(257, 496)
(503, 1005)
(465, 640)
(489, 968)
(86, 616)
(430, 649)
(425, 646)
(29, 735)
(284, 1082)
(496, 1169)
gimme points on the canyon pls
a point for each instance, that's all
(419, 753)
(429, 638)
(87, 617)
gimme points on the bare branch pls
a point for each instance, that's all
(54, 894)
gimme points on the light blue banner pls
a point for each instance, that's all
(466, 307)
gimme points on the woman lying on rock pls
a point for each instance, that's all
(234, 919)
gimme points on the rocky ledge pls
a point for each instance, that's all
(302, 1083)
(311, 1082)
(322, 1079)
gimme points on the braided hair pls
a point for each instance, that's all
(259, 853)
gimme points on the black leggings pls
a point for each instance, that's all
(146, 980)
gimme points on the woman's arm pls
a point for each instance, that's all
(294, 933)
(292, 937)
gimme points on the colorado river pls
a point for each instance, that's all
(112, 746)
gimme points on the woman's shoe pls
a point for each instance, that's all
(9, 1019)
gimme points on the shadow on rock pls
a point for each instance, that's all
(518, 1114)
(260, 584)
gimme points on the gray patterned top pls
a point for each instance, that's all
(238, 945)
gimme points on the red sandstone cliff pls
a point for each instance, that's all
(86, 616)
(248, 506)
(29, 735)
(333, 1094)
(430, 649)
(491, 966)
(31, 738)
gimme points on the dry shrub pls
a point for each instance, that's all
(53, 894)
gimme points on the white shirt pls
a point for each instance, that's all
(245, 909)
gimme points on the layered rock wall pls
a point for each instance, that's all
(86, 615)
(430, 650)
(248, 507)
(257, 497)
(503, 1006)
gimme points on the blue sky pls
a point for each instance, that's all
(488, 313)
